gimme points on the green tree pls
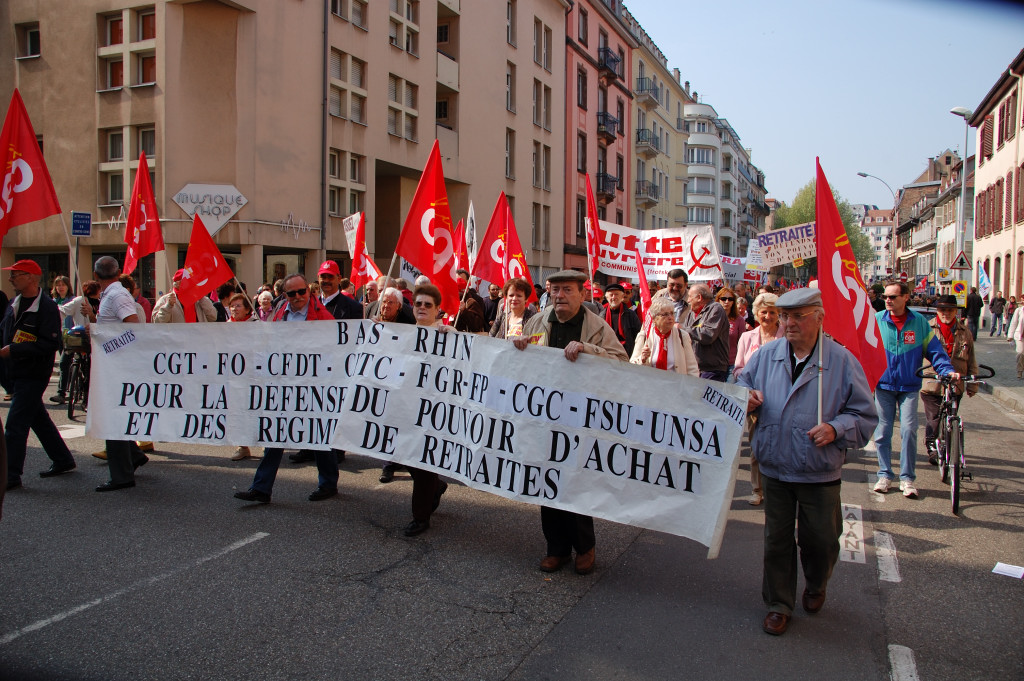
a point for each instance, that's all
(801, 210)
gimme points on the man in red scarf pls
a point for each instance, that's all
(624, 321)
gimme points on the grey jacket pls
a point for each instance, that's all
(710, 336)
(780, 442)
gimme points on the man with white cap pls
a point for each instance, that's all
(801, 451)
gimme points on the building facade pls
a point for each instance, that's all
(916, 233)
(999, 183)
(877, 225)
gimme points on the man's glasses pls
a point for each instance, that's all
(795, 316)
(898, 295)
(297, 292)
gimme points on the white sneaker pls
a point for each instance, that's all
(908, 489)
(755, 500)
(882, 486)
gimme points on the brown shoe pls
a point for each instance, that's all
(585, 562)
(813, 602)
(241, 453)
(552, 563)
(145, 446)
(102, 454)
(775, 623)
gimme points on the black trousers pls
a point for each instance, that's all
(424, 493)
(565, 531)
(28, 413)
(931, 418)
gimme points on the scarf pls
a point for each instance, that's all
(661, 362)
(608, 319)
(946, 331)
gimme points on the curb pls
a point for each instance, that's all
(1008, 397)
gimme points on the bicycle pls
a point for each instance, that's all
(949, 443)
(77, 341)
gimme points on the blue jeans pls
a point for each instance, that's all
(266, 472)
(997, 326)
(886, 402)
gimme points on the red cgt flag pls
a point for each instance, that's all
(205, 269)
(364, 269)
(645, 291)
(142, 231)
(593, 232)
(26, 190)
(501, 256)
(849, 317)
(461, 255)
(427, 241)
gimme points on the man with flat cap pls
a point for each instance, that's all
(618, 315)
(569, 326)
(29, 339)
(801, 455)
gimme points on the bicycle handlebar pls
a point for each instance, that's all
(920, 373)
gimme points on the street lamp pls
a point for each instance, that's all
(892, 230)
(966, 114)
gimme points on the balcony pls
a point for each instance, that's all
(647, 194)
(608, 64)
(447, 71)
(606, 187)
(647, 93)
(607, 126)
(647, 143)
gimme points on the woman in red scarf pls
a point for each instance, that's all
(666, 347)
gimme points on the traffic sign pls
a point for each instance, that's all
(960, 291)
(81, 224)
(903, 276)
(960, 262)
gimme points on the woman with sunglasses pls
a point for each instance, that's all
(726, 297)
(666, 347)
(427, 487)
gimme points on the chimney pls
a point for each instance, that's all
(686, 87)
(675, 72)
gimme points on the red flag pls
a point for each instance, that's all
(461, 255)
(364, 269)
(427, 241)
(205, 268)
(849, 317)
(142, 229)
(593, 232)
(645, 292)
(501, 257)
(26, 190)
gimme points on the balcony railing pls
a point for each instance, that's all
(607, 125)
(606, 186)
(647, 192)
(647, 142)
(647, 93)
(608, 62)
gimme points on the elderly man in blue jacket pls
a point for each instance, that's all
(908, 339)
(800, 452)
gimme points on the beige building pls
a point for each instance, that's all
(278, 119)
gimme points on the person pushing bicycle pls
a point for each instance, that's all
(958, 342)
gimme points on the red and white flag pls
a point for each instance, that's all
(849, 317)
(364, 269)
(593, 233)
(645, 292)
(461, 254)
(142, 230)
(501, 256)
(205, 269)
(26, 190)
(427, 240)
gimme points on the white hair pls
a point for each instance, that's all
(394, 293)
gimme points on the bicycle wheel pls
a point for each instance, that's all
(74, 388)
(942, 449)
(955, 462)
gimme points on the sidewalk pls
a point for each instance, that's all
(1001, 356)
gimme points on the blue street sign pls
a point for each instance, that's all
(81, 224)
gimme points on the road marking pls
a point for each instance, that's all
(888, 567)
(852, 539)
(35, 626)
(901, 664)
(70, 431)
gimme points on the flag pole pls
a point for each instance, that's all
(821, 371)
(391, 267)
(72, 254)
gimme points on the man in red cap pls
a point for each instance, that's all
(29, 338)
(338, 304)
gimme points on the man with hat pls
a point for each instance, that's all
(169, 311)
(339, 305)
(29, 339)
(617, 314)
(573, 329)
(801, 455)
(958, 343)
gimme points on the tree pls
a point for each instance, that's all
(802, 210)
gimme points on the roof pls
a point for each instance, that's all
(1003, 84)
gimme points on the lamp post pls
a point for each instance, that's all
(892, 230)
(961, 235)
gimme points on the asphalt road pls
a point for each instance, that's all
(175, 579)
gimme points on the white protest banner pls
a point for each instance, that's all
(350, 225)
(754, 261)
(690, 248)
(631, 444)
(733, 268)
(783, 246)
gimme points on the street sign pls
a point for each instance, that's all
(81, 224)
(960, 291)
(903, 276)
(960, 262)
(944, 274)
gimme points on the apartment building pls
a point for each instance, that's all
(999, 182)
(598, 119)
(877, 225)
(915, 233)
(947, 217)
(275, 120)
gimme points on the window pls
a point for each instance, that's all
(538, 102)
(620, 113)
(334, 164)
(147, 70)
(412, 42)
(547, 108)
(510, 86)
(355, 202)
(358, 16)
(536, 164)
(114, 74)
(393, 117)
(700, 155)
(358, 71)
(147, 25)
(510, 22)
(540, 218)
(337, 9)
(581, 88)
(581, 217)
(336, 64)
(700, 126)
(620, 166)
(28, 40)
(443, 31)
(334, 201)
(581, 152)
(402, 112)
(441, 110)
(394, 33)
(546, 167)
(147, 141)
(355, 168)
(115, 145)
(620, 69)
(582, 28)
(357, 110)
(538, 40)
(115, 188)
(114, 30)
(510, 153)
(334, 102)
(548, 42)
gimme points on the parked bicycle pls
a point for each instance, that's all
(949, 443)
(76, 340)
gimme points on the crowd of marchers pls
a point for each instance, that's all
(767, 340)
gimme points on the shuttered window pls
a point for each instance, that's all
(986, 136)
(1011, 116)
(1009, 199)
(358, 73)
(335, 70)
